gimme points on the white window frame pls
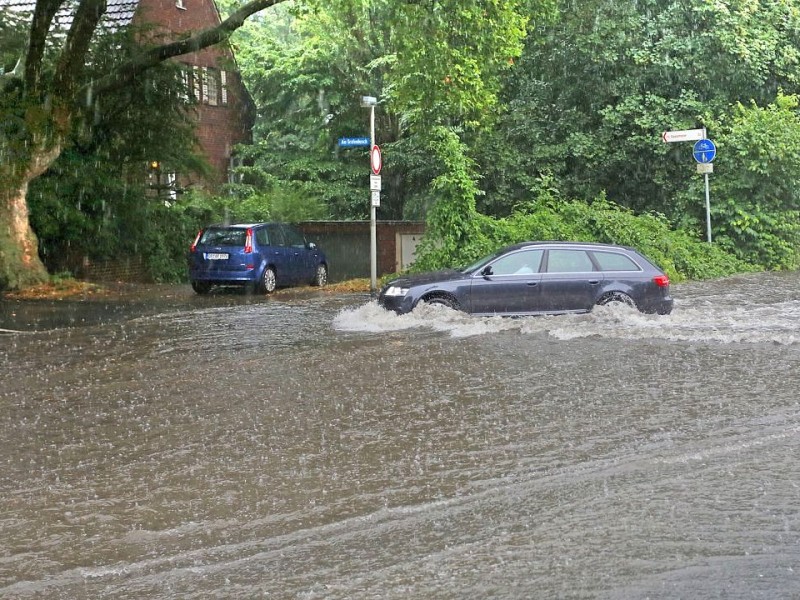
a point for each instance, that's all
(198, 84)
(185, 82)
(204, 85)
(223, 79)
(212, 86)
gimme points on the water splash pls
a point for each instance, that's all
(690, 322)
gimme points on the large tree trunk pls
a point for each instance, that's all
(20, 265)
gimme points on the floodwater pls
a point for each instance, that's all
(317, 447)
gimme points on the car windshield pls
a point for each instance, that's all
(217, 236)
(480, 263)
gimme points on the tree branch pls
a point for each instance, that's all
(73, 55)
(154, 56)
(43, 15)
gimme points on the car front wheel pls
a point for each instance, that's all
(447, 301)
(268, 281)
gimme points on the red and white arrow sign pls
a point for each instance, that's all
(685, 135)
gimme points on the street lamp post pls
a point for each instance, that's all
(370, 102)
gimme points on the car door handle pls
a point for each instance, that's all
(532, 283)
(594, 281)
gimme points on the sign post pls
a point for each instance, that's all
(370, 102)
(704, 152)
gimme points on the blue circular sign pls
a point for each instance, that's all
(704, 151)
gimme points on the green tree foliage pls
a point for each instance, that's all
(429, 63)
(553, 217)
(756, 212)
(597, 85)
(453, 233)
(95, 200)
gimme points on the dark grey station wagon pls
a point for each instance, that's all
(533, 278)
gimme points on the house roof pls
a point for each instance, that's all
(118, 14)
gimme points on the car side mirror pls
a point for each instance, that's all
(487, 270)
(311, 246)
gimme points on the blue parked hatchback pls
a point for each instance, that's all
(258, 256)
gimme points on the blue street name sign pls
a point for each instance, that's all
(704, 151)
(353, 142)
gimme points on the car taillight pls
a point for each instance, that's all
(248, 242)
(196, 241)
(661, 280)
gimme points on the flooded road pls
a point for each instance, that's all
(318, 447)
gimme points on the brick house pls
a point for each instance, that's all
(223, 109)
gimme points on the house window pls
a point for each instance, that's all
(212, 86)
(234, 176)
(223, 80)
(185, 84)
(198, 84)
(172, 188)
(205, 85)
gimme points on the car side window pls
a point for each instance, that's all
(261, 237)
(294, 237)
(569, 261)
(275, 233)
(613, 261)
(523, 262)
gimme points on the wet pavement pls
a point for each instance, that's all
(314, 446)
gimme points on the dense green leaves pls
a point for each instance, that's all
(757, 192)
(499, 121)
(432, 63)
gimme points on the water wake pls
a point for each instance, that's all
(755, 324)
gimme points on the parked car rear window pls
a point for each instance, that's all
(217, 236)
(612, 261)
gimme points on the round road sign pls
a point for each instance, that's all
(376, 162)
(704, 151)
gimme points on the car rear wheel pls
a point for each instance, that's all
(321, 278)
(617, 298)
(201, 287)
(268, 281)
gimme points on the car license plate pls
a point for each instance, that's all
(216, 256)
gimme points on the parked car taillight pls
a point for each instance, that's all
(661, 281)
(196, 241)
(248, 242)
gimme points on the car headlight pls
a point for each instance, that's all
(396, 290)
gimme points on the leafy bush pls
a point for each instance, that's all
(549, 218)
